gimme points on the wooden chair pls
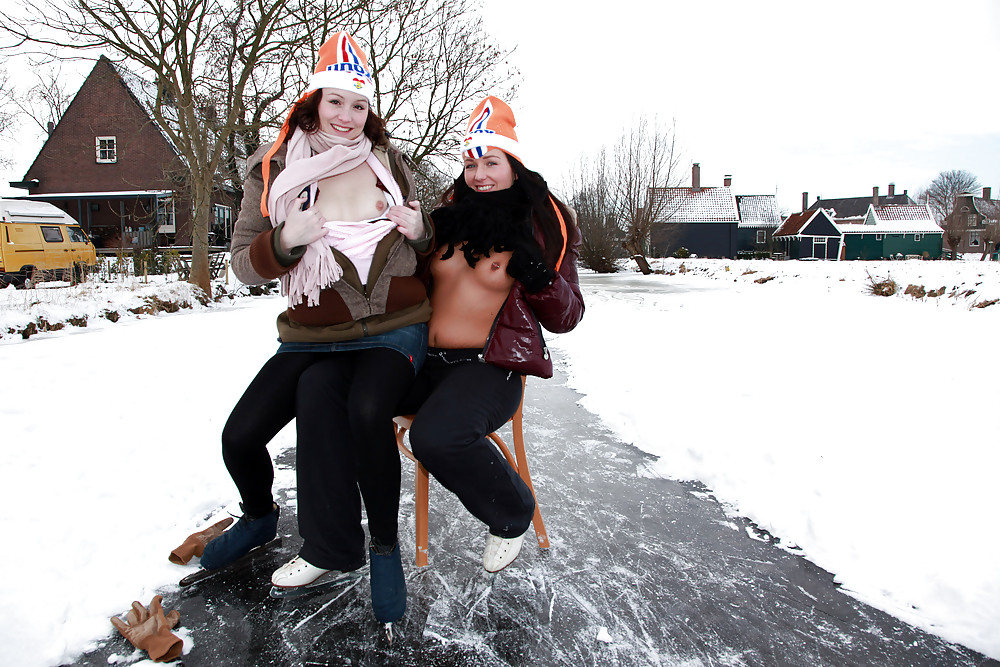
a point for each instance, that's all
(519, 461)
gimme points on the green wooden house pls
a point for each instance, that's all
(891, 232)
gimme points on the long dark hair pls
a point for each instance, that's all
(541, 199)
(305, 115)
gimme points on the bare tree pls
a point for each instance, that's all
(172, 40)
(990, 238)
(990, 209)
(602, 235)
(645, 162)
(940, 196)
(47, 99)
(432, 62)
(226, 70)
(8, 113)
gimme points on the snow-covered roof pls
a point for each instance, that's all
(906, 219)
(98, 193)
(758, 211)
(989, 208)
(892, 227)
(706, 205)
(893, 213)
(854, 206)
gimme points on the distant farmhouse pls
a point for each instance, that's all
(109, 165)
(976, 223)
(880, 227)
(712, 221)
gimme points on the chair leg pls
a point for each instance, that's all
(421, 498)
(422, 507)
(522, 469)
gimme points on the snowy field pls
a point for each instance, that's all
(856, 430)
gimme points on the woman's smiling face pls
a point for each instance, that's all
(490, 172)
(342, 113)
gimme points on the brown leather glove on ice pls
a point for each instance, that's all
(194, 545)
(149, 630)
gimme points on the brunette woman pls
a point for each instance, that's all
(503, 267)
(325, 210)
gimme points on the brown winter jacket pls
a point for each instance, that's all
(390, 298)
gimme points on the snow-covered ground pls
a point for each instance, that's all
(857, 430)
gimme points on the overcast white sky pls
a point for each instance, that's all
(831, 98)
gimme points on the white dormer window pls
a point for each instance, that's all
(107, 149)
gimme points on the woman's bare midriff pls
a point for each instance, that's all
(351, 196)
(466, 300)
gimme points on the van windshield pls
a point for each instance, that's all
(76, 235)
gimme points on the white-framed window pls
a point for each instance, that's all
(971, 219)
(878, 237)
(917, 237)
(974, 238)
(107, 149)
(761, 236)
(165, 216)
(222, 221)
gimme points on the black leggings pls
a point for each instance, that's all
(343, 404)
(461, 401)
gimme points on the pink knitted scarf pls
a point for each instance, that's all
(310, 158)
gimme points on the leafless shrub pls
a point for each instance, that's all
(887, 287)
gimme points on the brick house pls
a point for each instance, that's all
(109, 165)
(712, 221)
(978, 218)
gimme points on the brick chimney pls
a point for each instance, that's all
(727, 180)
(892, 189)
(875, 196)
(987, 192)
(696, 177)
(805, 201)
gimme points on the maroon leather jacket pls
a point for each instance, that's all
(516, 342)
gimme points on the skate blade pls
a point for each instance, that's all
(238, 564)
(332, 579)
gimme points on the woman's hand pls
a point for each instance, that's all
(408, 220)
(301, 227)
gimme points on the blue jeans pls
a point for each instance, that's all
(410, 341)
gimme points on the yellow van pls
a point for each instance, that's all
(38, 241)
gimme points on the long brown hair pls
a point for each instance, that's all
(305, 115)
(542, 201)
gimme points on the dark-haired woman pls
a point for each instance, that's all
(504, 263)
(325, 210)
